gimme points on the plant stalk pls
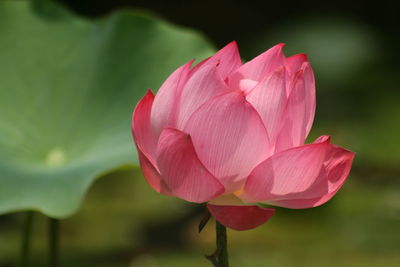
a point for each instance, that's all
(54, 240)
(222, 245)
(26, 239)
(220, 256)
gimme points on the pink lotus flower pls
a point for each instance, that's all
(232, 135)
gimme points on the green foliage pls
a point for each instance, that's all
(68, 87)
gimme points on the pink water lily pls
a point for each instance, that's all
(233, 134)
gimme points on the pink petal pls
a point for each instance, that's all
(247, 85)
(165, 108)
(152, 175)
(336, 169)
(146, 142)
(228, 59)
(229, 137)
(141, 128)
(294, 63)
(269, 99)
(299, 112)
(289, 173)
(259, 67)
(241, 217)
(181, 169)
(203, 85)
(337, 166)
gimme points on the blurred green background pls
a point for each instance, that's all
(353, 48)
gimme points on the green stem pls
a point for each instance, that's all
(220, 257)
(54, 235)
(222, 245)
(26, 239)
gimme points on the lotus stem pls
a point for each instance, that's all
(26, 239)
(54, 236)
(220, 256)
(222, 245)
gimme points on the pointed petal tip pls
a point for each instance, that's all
(227, 58)
(186, 66)
(142, 106)
(279, 47)
(276, 49)
(233, 47)
(149, 96)
(323, 139)
(233, 44)
(189, 65)
(149, 93)
(302, 56)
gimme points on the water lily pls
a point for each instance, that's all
(233, 135)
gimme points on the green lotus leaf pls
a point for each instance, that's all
(68, 87)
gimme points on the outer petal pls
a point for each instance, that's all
(141, 128)
(152, 175)
(294, 63)
(336, 169)
(299, 112)
(146, 142)
(165, 108)
(203, 85)
(229, 137)
(241, 217)
(337, 166)
(269, 99)
(288, 173)
(227, 59)
(259, 67)
(181, 169)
